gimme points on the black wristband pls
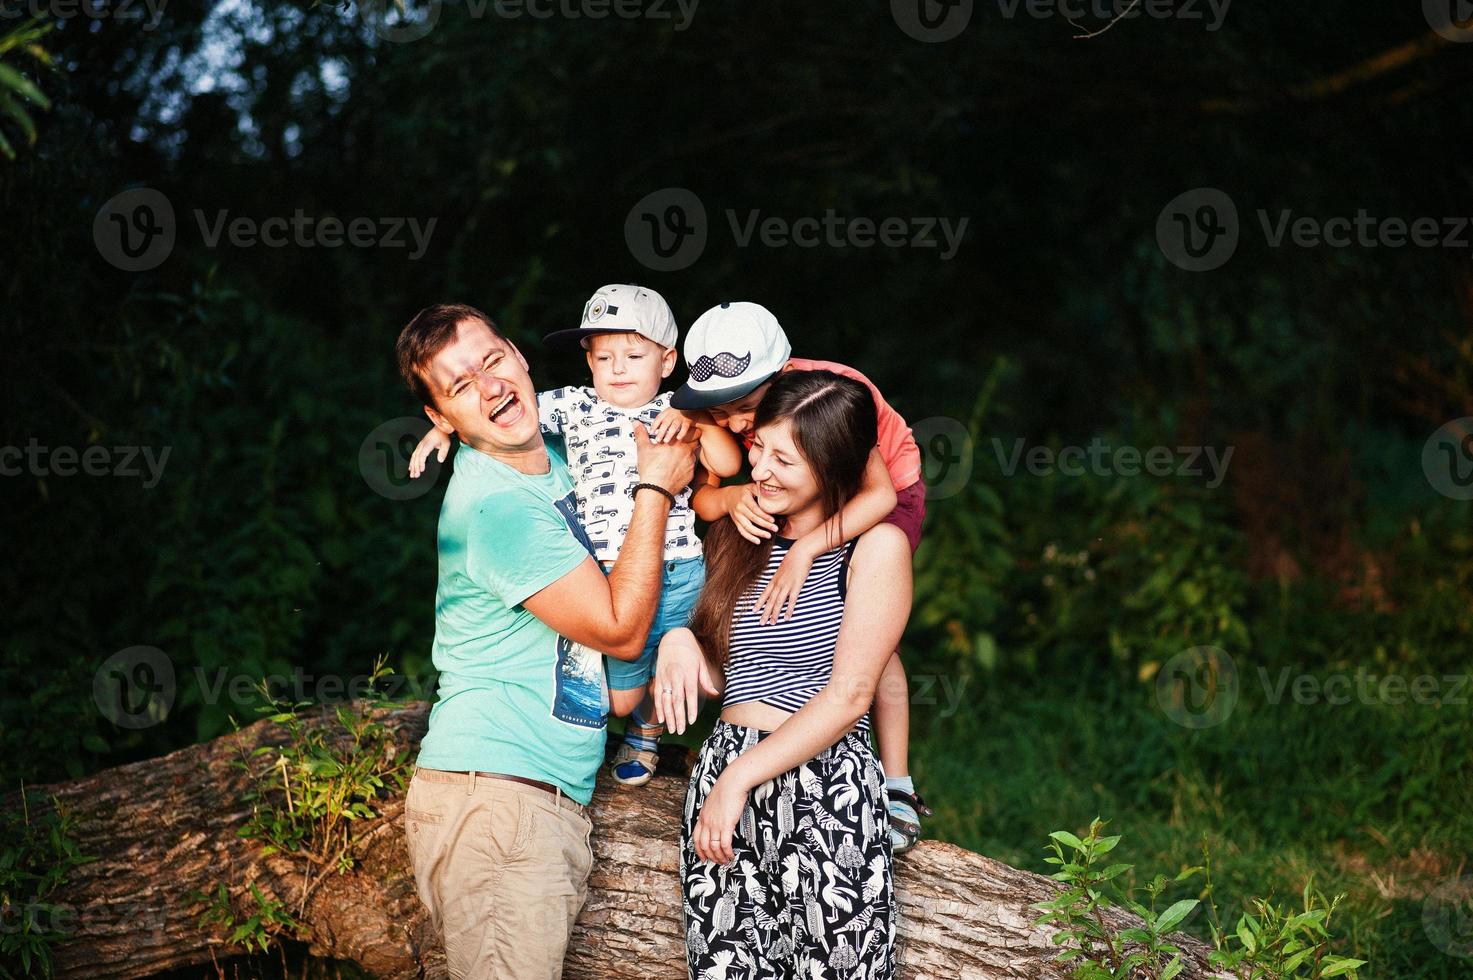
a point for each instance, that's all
(650, 486)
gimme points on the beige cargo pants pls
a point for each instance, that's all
(503, 869)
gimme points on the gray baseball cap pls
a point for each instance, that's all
(622, 308)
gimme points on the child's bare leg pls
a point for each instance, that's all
(892, 733)
(646, 713)
(634, 762)
(638, 705)
(892, 718)
(623, 702)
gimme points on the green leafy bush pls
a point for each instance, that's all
(37, 853)
(1273, 944)
(311, 790)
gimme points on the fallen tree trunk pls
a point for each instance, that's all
(165, 828)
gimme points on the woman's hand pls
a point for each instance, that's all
(718, 817)
(786, 583)
(752, 522)
(681, 673)
(433, 440)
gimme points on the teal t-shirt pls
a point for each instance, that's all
(514, 696)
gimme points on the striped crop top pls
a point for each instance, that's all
(783, 664)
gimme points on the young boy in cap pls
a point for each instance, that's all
(629, 336)
(734, 351)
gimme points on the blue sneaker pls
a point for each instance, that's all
(633, 767)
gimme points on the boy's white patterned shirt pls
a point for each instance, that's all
(601, 456)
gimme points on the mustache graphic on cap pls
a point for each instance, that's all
(723, 365)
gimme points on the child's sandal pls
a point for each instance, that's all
(632, 767)
(905, 811)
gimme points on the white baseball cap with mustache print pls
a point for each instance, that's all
(730, 349)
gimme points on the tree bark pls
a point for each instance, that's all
(166, 827)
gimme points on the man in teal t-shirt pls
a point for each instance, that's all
(505, 536)
(498, 837)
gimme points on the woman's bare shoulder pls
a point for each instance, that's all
(883, 543)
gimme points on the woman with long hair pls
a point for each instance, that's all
(785, 852)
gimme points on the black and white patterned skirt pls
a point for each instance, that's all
(810, 892)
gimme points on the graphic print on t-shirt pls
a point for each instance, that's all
(581, 696)
(603, 461)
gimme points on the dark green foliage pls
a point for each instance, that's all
(1049, 603)
(307, 794)
(1268, 943)
(38, 849)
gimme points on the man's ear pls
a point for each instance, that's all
(440, 421)
(520, 359)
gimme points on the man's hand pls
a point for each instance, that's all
(669, 465)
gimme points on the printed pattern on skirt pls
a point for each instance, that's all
(810, 893)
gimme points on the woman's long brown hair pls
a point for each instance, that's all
(835, 426)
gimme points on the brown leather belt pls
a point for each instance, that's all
(547, 788)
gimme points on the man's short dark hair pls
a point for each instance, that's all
(432, 329)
